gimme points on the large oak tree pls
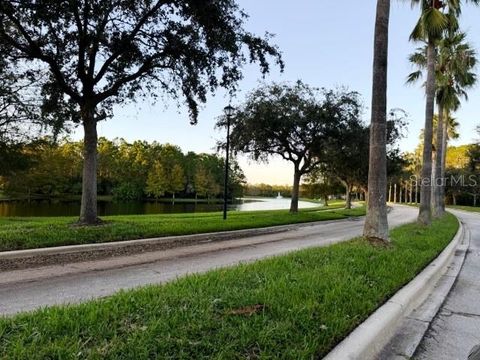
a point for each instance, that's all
(98, 53)
(291, 121)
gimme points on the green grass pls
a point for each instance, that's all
(466, 208)
(297, 306)
(26, 233)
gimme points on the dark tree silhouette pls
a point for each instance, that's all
(98, 53)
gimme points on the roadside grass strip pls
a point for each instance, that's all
(295, 306)
(28, 233)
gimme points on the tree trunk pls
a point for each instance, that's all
(390, 193)
(325, 200)
(416, 192)
(88, 208)
(376, 223)
(295, 191)
(438, 209)
(395, 193)
(432, 189)
(425, 212)
(474, 200)
(454, 198)
(444, 158)
(348, 197)
(411, 193)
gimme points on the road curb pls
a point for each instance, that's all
(30, 258)
(369, 339)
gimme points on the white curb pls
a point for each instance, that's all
(370, 337)
(194, 239)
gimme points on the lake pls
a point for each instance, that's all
(72, 208)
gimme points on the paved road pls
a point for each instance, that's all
(82, 281)
(456, 327)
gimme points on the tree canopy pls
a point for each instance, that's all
(347, 155)
(292, 121)
(94, 54)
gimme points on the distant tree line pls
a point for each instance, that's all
(266, 190)
(462, 177)
(127, 171)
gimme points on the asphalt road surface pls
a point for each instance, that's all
(26, 290)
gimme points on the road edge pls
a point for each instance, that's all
(31, 258)
(368, 339)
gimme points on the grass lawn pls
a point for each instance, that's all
(466, 208)
(26, 233)
(297, 306)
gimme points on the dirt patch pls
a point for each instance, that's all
(247, 310)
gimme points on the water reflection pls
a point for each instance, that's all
(251, 204)
(72, 208)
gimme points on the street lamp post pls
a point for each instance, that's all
(228, 112)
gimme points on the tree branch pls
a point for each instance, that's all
(130, 38)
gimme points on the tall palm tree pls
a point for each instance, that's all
(376, 223)
(457, 60)
(453, 72)
(436, 16)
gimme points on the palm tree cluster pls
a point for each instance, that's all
(453, 77)
(447, 61)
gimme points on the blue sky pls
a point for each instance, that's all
(325, 44)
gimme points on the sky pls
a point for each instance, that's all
(324, 44)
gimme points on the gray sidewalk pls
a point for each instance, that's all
(456, 327)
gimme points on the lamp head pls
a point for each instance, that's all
(229, 110)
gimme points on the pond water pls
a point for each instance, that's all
(72, 208)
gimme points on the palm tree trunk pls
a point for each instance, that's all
(438, 210)
(425, 212)
(416, 192)
(411, 193)
(444, 157)
(376, 223)
(88, 207)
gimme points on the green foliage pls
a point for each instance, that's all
(156, 181)
(266, 190)
(454, 75)
(347, 155)
(204, 182)
(127, 171)
(458, 157)
(436, 16)
(291, 121)
(297, 306)
(318, 185)
(100, 53)
(128, 190)
(25, 233)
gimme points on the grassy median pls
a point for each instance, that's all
(26, 233)
(297, 306)
(465, 208)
